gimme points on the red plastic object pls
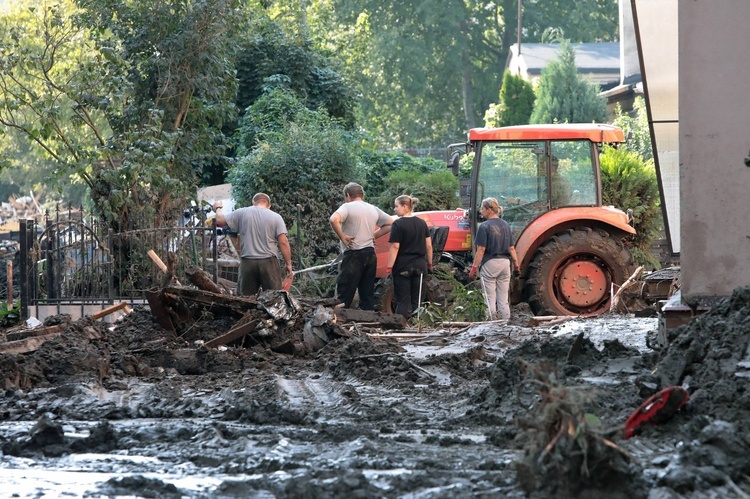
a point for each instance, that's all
(659, 408)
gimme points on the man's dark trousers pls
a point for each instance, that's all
(357, 273)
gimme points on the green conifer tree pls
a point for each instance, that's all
(565, 97)
(516, 103)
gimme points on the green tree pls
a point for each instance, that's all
(428, 70)
(130, 97)
(516, 103)
(305, 160)
(266, 51)
(179, 67)
(629, 183)
(565, 97)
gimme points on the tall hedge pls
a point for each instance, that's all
(629, 182)
(305, 162)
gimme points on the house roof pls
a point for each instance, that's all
(600, 61)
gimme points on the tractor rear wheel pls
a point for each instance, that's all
(573, 273)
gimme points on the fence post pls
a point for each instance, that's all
(111, 266)
(25, 257)
(215, 252)
(50, 260)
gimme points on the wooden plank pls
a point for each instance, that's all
(30, 333)
(233, 334)
(109, 310)
(26, 345)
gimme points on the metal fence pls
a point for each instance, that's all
(70, 259)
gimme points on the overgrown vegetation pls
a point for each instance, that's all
(435, 190)
(629, 183)
(566, 449)
(298, 157)
(464, 303)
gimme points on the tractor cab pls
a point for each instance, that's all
(533, 169)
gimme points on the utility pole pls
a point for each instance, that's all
(519, 27)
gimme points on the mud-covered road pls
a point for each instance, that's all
(135, 411)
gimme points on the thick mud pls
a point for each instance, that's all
(129, 409)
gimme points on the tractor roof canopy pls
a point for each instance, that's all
(594, 132)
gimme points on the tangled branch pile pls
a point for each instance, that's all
(567, 452)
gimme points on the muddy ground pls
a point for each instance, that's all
(131, 410)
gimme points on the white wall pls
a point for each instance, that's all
(714, 97)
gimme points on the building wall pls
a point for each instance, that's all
(714, 96)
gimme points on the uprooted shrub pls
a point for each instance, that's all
(567, 453)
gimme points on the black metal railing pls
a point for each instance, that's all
(71, 258)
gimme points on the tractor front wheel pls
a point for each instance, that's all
(573, 273)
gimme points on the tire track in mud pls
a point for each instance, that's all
(311, 392)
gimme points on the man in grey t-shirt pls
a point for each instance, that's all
(262, 235)
(354, 223)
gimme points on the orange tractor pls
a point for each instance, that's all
(547, 179)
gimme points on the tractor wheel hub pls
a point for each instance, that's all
(583, 283)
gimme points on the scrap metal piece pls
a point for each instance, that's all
(279, 304)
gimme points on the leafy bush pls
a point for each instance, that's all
(305, 162)
(10, 316)
(374, 167)
(629, 182)
(267, 51)
(636, 129)
(436, 190)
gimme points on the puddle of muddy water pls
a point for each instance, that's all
(630, 331)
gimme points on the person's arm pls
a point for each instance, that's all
(335, 221)
(286, 253)
(514, 258)
(383, 230)
(220, 220)
(392, 254)
(428, 242)
(478, 260)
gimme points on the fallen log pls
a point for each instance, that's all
(239, 304)
(31, 344)
(202, 280)
(616, 299)
(387, 321)
(547, 320)
(26, 345)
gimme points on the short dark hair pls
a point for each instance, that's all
(262, 197)
(354, 190)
